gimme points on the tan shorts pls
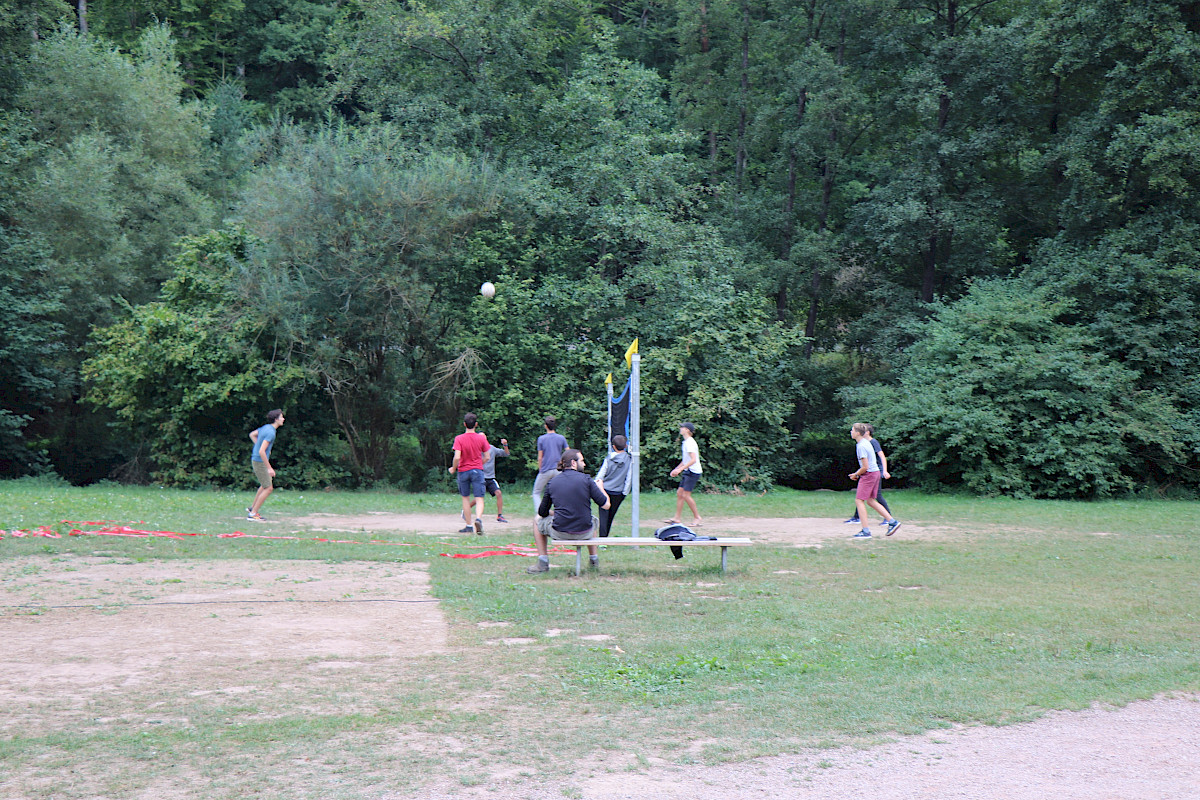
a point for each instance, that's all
(547, 530)
(260, 472)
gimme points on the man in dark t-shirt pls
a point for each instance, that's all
(570, 495)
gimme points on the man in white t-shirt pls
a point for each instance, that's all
(689, 471)
(868, 477)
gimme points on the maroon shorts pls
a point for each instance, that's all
(868, 486)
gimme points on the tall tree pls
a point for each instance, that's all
(32, 374)
(189, 373)
(206, 33)
(22, 23)
(946, 72)
(1118, 135)
(111, 178)
(459, 73)
(276, 48)
(356, 270)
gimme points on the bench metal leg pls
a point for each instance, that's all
(578, 561)
(723, 551)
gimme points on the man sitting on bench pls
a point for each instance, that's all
(571, 495)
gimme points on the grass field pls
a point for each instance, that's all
(1019, 607)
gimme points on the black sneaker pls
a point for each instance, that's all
(863, 534)
(540, 566)
(479, 526)
(467, 529)
(893, 526)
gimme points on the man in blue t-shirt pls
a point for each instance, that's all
(550, 447)
(260, 461)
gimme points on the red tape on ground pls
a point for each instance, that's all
(109, 528)
(113, 529)
(515, 550)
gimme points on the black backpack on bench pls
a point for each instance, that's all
(678, 532)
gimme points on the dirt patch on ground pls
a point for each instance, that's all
(384, 522)
(795, 531)
(74, 627)
(808, 531)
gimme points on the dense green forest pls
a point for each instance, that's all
(974, 223)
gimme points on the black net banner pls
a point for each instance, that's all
(618, 413)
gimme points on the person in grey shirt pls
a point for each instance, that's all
(489, 477)
(550, 447)
(616, 479)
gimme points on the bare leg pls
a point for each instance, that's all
(466, 512)
(873, 503)
(260, 498)
(499, 503)
(539, 540)
(479, 507)
(685, 497)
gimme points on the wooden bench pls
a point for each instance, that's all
(647, 541)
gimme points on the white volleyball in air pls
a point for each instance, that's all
(488, 289)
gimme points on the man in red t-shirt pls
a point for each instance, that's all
(471, 450)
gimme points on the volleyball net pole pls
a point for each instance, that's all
(635, 438)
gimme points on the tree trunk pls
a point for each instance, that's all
(82, 6)
(929, 274)
(789, 233)
(744, 111)
(828, 173)
(705, 47)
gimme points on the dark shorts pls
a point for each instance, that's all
(491, 486)
(470, 483)
(688, 480)
(868, 486)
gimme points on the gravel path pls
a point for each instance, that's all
(1146, 751)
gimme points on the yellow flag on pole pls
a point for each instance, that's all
(629, 354)
(608, 380)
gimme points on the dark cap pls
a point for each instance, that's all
(691, 428)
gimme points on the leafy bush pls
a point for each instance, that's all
(1003, 398)
(193, 373)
